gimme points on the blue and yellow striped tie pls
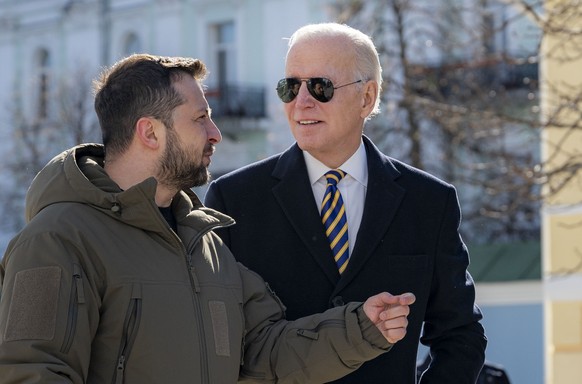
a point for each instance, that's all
(333, 217)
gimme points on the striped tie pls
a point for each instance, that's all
(333, 217)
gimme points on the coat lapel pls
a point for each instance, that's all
(301, 210)
(383, 197)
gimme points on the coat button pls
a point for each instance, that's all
(337, 301)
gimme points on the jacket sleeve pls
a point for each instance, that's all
(452, 330)
(45, 329)
(313, 349)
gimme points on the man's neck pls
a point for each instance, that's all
(127, 171)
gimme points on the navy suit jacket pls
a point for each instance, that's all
(408, 241)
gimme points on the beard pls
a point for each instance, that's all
(177, 168)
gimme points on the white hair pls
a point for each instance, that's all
(366, 58)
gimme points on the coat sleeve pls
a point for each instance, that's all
(215, 200)
(313, 349)
(45, 329)
(452, 330)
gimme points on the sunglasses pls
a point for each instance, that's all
(319, 87)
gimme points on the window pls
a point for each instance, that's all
(224, 52)
(226, 96)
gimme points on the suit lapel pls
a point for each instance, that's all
(383, 197)
(293, 193)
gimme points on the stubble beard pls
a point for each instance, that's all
(178, 171)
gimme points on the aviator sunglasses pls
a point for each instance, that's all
(320, 88)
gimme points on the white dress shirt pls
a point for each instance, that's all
(352, 187)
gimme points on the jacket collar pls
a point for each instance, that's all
(77, 176)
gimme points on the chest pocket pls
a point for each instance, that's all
(130, 328)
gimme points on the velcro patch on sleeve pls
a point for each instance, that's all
(33, 306)
(220, 327)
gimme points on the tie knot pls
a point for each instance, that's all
(334, 176)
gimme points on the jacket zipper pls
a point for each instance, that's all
(77, 297)
(130, 328)
(242, 344)
(313, 333)
(205, 375)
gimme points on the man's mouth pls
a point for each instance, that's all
(209, 151)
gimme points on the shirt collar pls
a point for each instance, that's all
(356, 166)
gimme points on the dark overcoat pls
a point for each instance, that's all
(408, 241)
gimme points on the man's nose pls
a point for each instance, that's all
(303, 96)
(214, 135)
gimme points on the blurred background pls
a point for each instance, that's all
(482, 93)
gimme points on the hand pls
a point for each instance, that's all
(389, 313)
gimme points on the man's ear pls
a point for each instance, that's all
(146, 131)
(369, 95)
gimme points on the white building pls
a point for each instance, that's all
(45, 43)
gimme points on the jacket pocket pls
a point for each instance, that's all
(77, 297)
(129, 333)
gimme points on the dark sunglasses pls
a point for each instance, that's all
(319, 87)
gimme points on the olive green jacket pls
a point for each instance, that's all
(99, 289)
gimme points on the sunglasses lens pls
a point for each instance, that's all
(320, 88)
(287, 89)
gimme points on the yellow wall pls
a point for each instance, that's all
(564, 354)
(562, 214)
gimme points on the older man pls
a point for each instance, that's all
(387, 226)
